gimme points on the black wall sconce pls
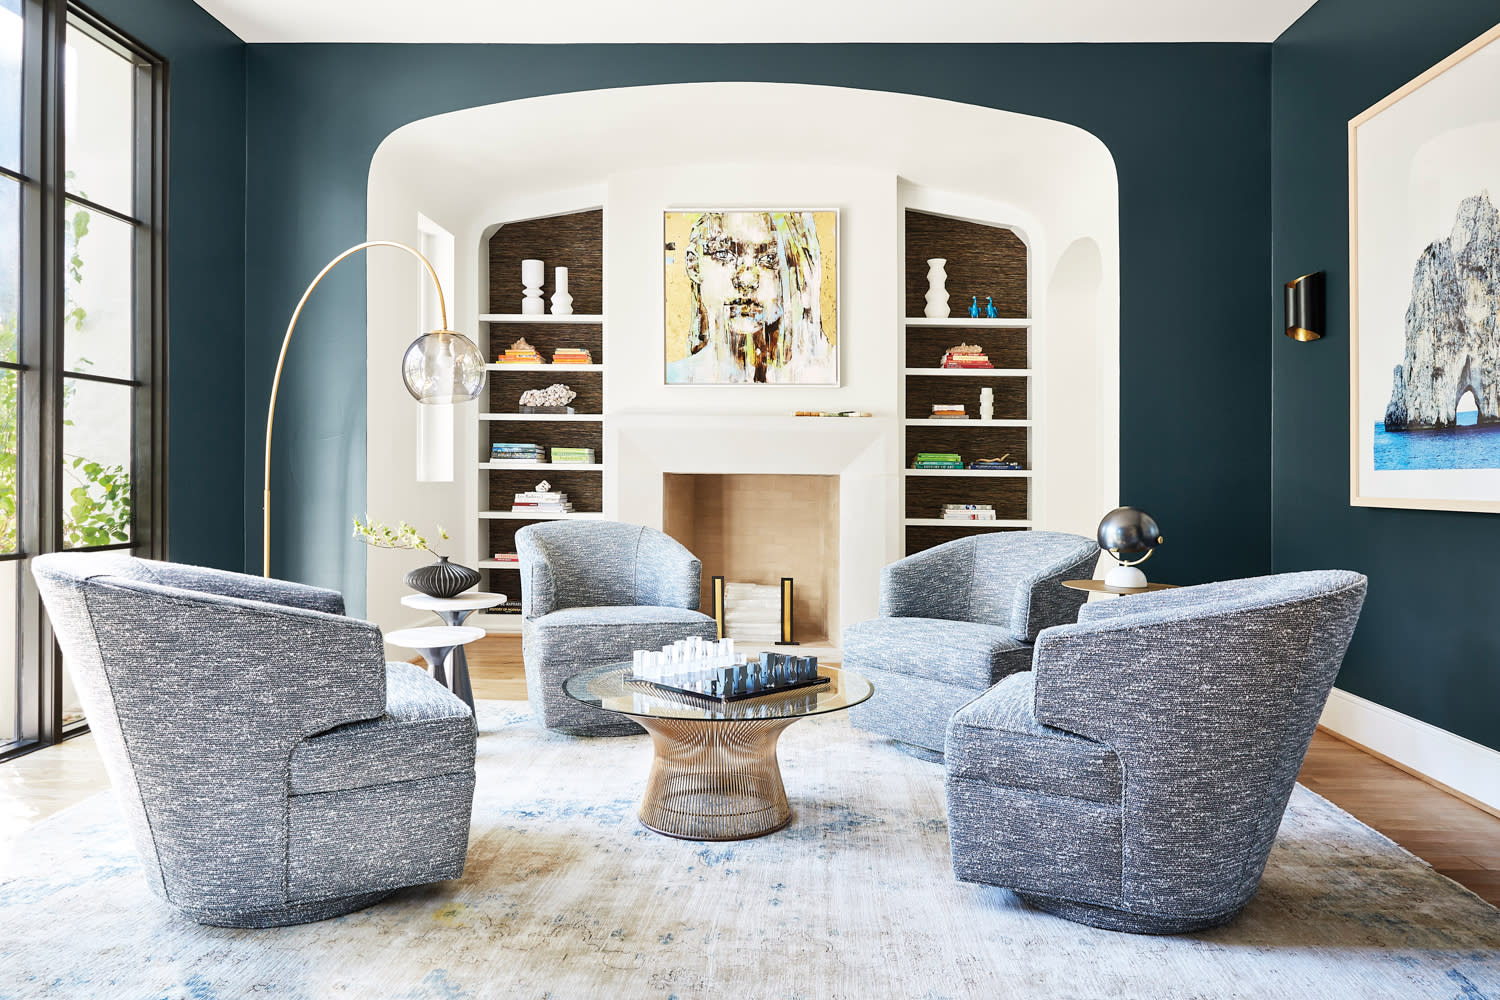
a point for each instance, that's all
(1304, 307)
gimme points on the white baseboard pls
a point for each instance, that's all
(1461, 765)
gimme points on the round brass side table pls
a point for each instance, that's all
(1100, 587)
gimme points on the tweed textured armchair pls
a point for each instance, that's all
(592, 592)
(956, 618)
(272, 767)
(1135, 778)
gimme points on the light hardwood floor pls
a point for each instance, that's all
(1459, 840)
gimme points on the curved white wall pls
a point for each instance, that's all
(640, 151)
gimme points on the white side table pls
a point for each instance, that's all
(435, 643)
(455, 611)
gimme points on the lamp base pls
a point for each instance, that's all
(1125, 578)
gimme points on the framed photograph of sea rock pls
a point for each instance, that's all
(751, 297)
(1424, 289)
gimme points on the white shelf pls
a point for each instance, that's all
(545, 367)
(994, 473)
(971, 372)
(971, 422)
(495, 564)
(511, 515)
(528, 417)
(939, 522)
(553, 466)
(999, 324)
(540, 318)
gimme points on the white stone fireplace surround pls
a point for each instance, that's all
(861, 451)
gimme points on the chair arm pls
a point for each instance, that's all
(538, 584)
(933, 583)
(666, 573)
(251, 588)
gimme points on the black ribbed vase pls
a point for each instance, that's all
(442, 579)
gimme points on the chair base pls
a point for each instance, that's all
(288, 915)
(1109, 919)
(620, 727)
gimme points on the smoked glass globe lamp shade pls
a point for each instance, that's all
(1126, 532)
(443, 367)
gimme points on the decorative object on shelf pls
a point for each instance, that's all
(515, 453)
(712, 669)
(1424, 276)
(987, 403)
(541, 500)
(1128, 531)
(968, 512)
(442, 366)
(553, 399)
(562, 302)
(533, 273)
(751, 298)
(508, 558)
(965, 356)
(788, 613)
(937, 293)
(974, 307)
(717, 591)
(1304, 306)
(572, 356)
(832, 413)
(949, 411)
(937, 460)
(989, 308)
(439, 579)
(520, 353)
(563, 456)
(1003, 463)
(752, 611)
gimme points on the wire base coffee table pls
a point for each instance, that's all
(714, 775)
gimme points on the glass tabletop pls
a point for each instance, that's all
(605, 687)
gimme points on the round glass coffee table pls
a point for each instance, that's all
(714, 775)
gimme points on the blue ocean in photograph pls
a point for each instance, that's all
(1467, 446)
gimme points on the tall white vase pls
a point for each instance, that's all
(533, 273)
(937, 294)
(562, 302)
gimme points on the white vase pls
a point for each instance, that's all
(986, 404)
(937, 294)
(533, 273)
(562, 302)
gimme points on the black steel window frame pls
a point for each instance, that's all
(44, 199)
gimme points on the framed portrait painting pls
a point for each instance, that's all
(1424, 289)
(751, 297)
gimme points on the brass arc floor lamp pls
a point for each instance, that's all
(441, 366)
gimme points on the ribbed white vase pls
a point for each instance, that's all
(937, 294)
(533, 273)
(562, 302)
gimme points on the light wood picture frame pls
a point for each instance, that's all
(1424, 289)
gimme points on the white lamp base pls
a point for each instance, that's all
(1125, 578)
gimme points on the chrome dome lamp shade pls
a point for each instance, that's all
(1125, 532)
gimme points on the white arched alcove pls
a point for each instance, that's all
(639, 151)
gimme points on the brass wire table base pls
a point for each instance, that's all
(715, 780)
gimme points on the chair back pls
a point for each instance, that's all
(588, 564)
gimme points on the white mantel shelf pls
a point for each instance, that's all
(540, 318)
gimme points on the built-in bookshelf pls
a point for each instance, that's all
(575, 241)
(983, 260)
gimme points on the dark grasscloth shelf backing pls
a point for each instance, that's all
(574, 241)
(982, 260)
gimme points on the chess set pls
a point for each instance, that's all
(711, 669)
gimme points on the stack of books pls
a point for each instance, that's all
(572, 356)
(937, 460)
(520, 353)
(993, 464)
(533, 502)
(949, 411)
(562, 456)
(965, 356)
(968, 512)
(508, 558)
(517, 454)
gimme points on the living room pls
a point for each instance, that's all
(1058, 287)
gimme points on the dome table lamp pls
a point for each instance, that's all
(441, 366)
(1124, 532)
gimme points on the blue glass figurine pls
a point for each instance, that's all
(974, 308)
(989, 308)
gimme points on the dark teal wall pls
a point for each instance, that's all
(1427, 644)
(206, 273)
(1188, 126)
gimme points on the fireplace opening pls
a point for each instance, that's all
(754, 528)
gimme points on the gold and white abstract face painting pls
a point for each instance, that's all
(751, 297)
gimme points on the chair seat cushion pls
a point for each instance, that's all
(581, 637)
(964, 653)
(425, 732)
(995, 739)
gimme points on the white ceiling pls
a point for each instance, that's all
(762, 21)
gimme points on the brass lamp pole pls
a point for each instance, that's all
(442, 366)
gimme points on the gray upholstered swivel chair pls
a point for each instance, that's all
(272, 767)
(956, 618)
(592, 592)
(1135, 778)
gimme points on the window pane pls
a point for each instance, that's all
(10, 677)
(10, 267)
(99, 105)
(96, 463)
(99, 315)
(10, 493)
(11, 40)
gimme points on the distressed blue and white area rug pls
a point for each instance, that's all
(567, 896)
